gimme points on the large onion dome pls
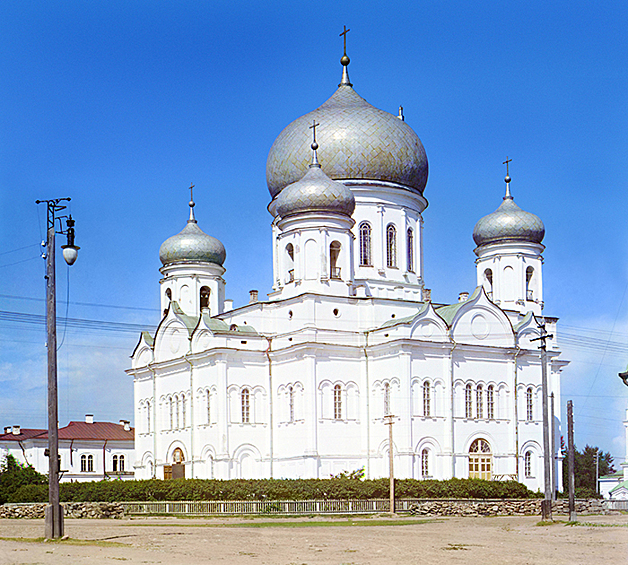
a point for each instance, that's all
(315, 192)
(509, 222)
(358, 141)
(192, 245)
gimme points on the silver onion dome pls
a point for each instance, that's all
(509, 222)
(192, 245)
(315, 192)
(359, 142)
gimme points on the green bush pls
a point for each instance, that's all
(14, 475)
(270, 489)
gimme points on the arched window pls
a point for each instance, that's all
(115, 463)
(245, 398)
(208, 397)
(391, 246)
(169, 294)
(410, 246)
(365, 244)
(529, 291)
(386, 399)
(334, 253)
(178, 414)
(205, 292)
(121, 463)
(529, 405)
(90, 463)
(488, 278)
(490, 402)
(290, 261)
(177, 456)
(337, 402)
(479, 402)
(425, 464)
(83, 463)
(527, 464)
(291, 403)
(427, 408)
(480, 460)
(183, 411)
(148, 417)
(468, 402)
(171, 405)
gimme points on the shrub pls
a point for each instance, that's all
(270, 489)
(15, 475)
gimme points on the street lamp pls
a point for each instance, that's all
(54, 511)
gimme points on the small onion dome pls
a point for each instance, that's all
(359, 142)
(315, 192)
(509, 222)
(192, 245)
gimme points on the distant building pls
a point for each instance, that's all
(300, 384)
(89, 451)
(616, 485)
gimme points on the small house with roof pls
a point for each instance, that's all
(89, 450)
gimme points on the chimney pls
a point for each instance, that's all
(16, 430)
(125, 424)
(427, 295)
(89, 418)
(254, 294)
(228, 305)
(463, 297)
(7, 429)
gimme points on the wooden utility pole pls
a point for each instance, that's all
(572, 463)
(391, 469)
(546, 505)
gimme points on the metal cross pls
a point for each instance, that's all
(506, 163)
(313, 128)
(191, 196)
(344, 35)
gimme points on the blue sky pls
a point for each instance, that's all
(121, 105)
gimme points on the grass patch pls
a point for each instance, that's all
(592, 525)
(69, 541)
(320, 524)
(549, 522)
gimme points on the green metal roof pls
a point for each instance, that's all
(448, 313)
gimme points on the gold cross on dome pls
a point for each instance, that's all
(344, 36)
(506, 163)
(313, 128)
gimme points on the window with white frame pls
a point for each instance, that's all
(245, 400)
(87, 463)
(479, 402)
(386, 399)
(410, 246)
(291, 403)
(115, 463)
(171, 408)
(468, 402)
(178, 409)
(490, 402)
(337, 402)
(529, 405)
(391, 246)
(208, 400)
(427, 401)
(365, 244)
(121, 463)
(480, 460)
(425, 464)
(527, 464)
(183, 411)
(148, 417)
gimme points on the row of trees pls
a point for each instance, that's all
(585, 472)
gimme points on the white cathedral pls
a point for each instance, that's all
(299, 385)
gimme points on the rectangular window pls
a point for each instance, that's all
(427, 408)
(479, 403)
(246, 406)
(490, 403)
(468, 403)
(337, 402)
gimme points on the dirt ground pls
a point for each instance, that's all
(312, 541)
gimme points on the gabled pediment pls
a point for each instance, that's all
(143, 354)
(478, 321)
